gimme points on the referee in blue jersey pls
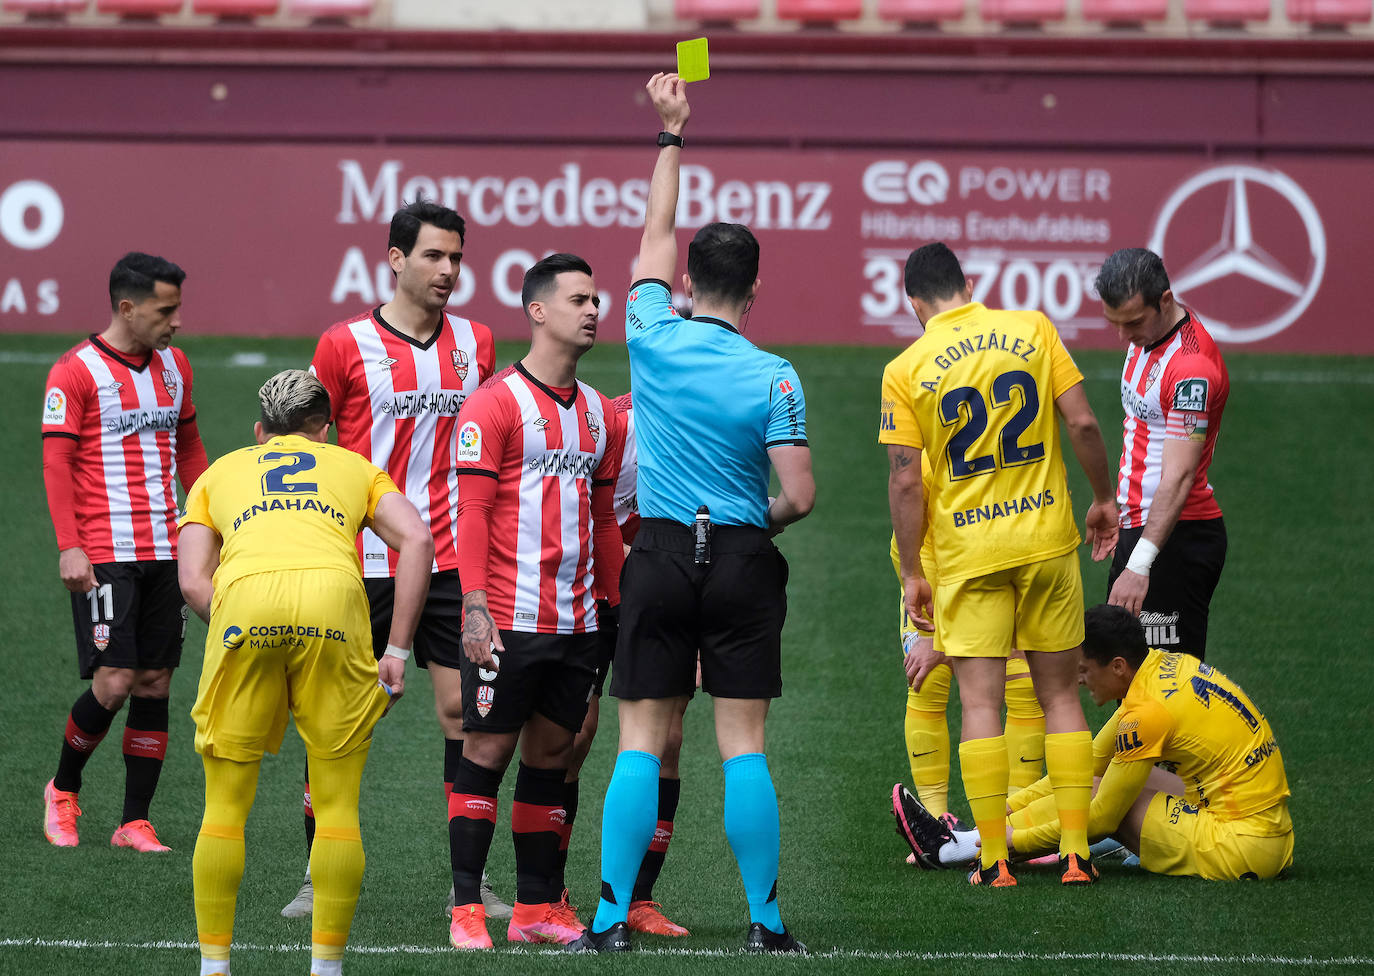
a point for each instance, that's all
(712, 413)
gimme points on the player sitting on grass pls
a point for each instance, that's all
(1187, 771)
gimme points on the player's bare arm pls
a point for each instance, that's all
(906, 502)
(197, 559)
(1085, 436)
(796, 485)
(1179, 465)
(480, 636)
(399, 525)
(658, 247)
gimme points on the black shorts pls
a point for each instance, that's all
(731, 610)
(1182, 580)
(551, 674)
(608, 626)
(438, 635)
(134, 618)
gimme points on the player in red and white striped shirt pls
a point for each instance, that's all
(397, 376)
(537, 537)
(119, 425)
(1173, 390)
(645, 915)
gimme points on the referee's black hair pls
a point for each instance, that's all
(933, 273)
(135, 277)
(541, 277)
(1129, 272)
(723, 263)
(406, 223)
(1111, 632)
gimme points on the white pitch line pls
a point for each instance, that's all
(1255, 959)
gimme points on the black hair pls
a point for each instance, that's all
(723, 263)
(406, 223)
(1132, 271)
(1111, 632)
(539, 279)
(135, 277)
(933, 273)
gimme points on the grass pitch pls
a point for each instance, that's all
(1293, 473)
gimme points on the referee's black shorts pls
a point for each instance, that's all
(731, 610)
(1182, 580)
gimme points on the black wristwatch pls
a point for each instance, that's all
(666, 138)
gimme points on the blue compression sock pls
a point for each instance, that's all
(751, 825)
(628, 819)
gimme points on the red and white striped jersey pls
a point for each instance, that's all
(627, 481)
(1177, 389)
(124, 417)
(396, 403)
(545, 452)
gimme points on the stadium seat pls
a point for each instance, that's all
(138, 8)
(1330, 12)
(1022, 11)
(717, 11)
(1226, 11)
(821, 11)
(1125, 11)
(329, 9)
(236, 8)
(44, 7)
(920, 11)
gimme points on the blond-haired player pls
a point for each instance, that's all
(979, 392)
(268, 560)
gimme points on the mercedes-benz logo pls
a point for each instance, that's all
(1237, 253)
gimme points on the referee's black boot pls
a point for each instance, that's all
(761, 939)
(614, 939)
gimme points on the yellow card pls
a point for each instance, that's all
(692, 62)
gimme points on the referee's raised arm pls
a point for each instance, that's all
(658, 246)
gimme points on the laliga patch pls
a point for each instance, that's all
(101, 634)
(55, 407)
(486, 695)
(1191, 395)
(469, 442)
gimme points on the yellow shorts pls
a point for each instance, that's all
(1037, 607)
(1178, 838)
(297, 640)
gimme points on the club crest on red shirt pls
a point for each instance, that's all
(169, 383)
(460, 363)
(593, 427)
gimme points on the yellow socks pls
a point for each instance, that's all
(336, 859)
(1068, 757)
(217, 865)
(927, 740)
(1025, 733)
(984, 766)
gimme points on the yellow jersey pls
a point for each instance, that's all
(1189, 717)
(976, 394)
(291, 503)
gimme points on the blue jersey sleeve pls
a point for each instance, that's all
(649, 304)
(786, 409)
